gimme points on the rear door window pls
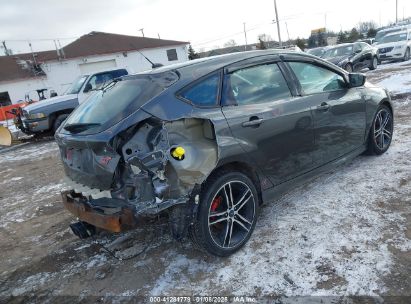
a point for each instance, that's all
(257, 84)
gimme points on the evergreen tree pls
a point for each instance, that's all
(354, 35)
(300, 43)
(371, 33)
(341, 38)
(191, 53)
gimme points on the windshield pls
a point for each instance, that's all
(119, 99)
(316, 52)
(382, 34)
(338, 51)
(394, 38)
(76, 85)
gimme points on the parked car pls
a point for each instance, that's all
(47, 115)
(395, 46)
(369, 41)
(353, 56)
(206, 142)
(318, 51)
(390, 30)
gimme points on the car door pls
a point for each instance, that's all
(274, 129)
(362, 57)
(338, 111)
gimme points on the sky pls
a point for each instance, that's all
(205, 24)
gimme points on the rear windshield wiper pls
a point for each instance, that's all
(80, 127)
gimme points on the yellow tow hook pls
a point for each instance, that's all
(178, 153)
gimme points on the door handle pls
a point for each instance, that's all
(253, 122)
(323, 107)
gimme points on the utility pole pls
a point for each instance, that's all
(278, 23)
(396, 11)
(142, 31)
(288, 34)
(245, 36)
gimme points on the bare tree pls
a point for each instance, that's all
(230, 42)
(364, 27)
(265, 37)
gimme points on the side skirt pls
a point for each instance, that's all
(277, 191)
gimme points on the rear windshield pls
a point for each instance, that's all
(338, 51)
(119, 99)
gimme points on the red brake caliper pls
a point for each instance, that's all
(216, 203)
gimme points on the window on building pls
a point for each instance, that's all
(172, 55)
(4, 99)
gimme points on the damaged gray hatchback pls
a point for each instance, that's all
(206, 142)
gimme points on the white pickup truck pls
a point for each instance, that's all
(47, 115)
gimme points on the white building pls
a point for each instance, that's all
(23, 74)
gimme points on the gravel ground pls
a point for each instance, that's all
(345, 233)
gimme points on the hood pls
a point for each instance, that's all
(51, 101)
(337, 60)
(389, 44)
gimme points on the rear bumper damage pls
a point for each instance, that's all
(139, 176)
(99, 213)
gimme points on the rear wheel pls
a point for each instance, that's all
(380, 136)
(227, 213)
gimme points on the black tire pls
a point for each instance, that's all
(59, 120)
(226, 235)
(348, 68)
(374, 63)
(380, 136)
(407, 55)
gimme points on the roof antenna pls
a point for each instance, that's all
(153, 65)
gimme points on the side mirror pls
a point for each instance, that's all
(87, 88)
(356, 79)
(357, 51)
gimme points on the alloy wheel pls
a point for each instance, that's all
(374, 63)
(383, 129)
(231, 214)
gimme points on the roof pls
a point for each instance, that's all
(94, 43)
(200, 67)
(98, 43)
(238, 48)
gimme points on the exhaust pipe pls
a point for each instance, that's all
(83, 230)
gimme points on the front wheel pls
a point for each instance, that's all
(59, 120)
(381, 131)
(374, 63)
(227, 213)
(348, 68)
(407, 55)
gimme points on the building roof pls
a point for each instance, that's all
(98, 43)
(21, 66)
